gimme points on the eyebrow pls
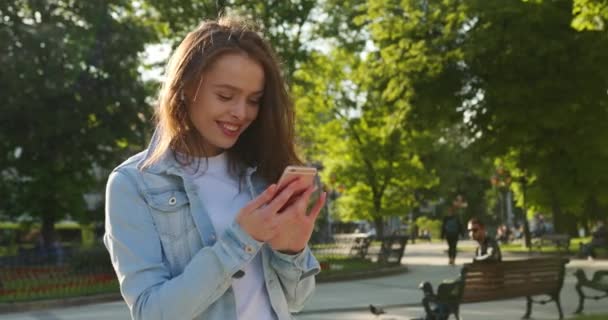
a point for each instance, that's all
(230, 87)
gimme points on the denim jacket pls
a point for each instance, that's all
(170, 262)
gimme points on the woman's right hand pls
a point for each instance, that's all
(260, 218)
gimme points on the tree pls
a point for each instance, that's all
(544, 106)
(529, 88)
(73, 101)
(287, 24)
(525, 84)
(590, 14)
(359, 137)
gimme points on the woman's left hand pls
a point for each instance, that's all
(295, 231)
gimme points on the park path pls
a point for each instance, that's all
(398, 294)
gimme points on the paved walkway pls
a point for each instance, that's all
(398, 295)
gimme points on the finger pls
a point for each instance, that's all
(314, 213)
(303, 199)
(280, 200)
(281, 219)
(261, 199)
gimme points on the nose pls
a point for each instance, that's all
(239, 109)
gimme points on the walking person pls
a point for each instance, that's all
(451, 230)
(196, 226)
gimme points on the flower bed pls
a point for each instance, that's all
(51, 282)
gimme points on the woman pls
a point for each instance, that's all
(193, 225)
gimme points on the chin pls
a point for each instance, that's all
(226, 145)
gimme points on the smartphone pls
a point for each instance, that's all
(306, 174)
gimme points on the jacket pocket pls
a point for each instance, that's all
(171, 212)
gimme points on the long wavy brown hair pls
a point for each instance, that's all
(268, 143)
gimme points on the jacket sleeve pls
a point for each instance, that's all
(145, 280)
(296, 273)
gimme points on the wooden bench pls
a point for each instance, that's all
(392, 249)
(479, 282)
(356, 244)
(561, 241)
(599, 282)
(360, 246)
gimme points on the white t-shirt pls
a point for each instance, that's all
(221, 196)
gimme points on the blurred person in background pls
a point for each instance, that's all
(451, 230)
(488, 249)
(599, 239)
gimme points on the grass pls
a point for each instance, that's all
(347, 265)
(519, 248)
(592, 317)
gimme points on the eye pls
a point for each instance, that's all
(255, 102)
(224, 97)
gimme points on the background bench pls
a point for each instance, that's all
(392, 248)
(561, 241)
(481, 282)
(354, 244)
(599, 282)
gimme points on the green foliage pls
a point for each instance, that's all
(285, 23)
(72, 100)
(432, 225)
(476, 69)
(590, 14)
(543, 108)
(359, 137)
(404, 102)
(91, 260)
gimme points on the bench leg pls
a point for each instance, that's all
(528, 308)
(559, 306)
(581, 299)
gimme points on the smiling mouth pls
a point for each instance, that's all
(229, 129)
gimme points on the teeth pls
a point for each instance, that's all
(230, 127)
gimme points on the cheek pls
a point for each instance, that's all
(252, 113)
(195, 116)
(199, 114)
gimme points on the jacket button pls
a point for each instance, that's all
(249, 249)
(239, 274)
(172, 201)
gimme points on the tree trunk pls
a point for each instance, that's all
(379, 223)
(48, 230)
(558, 215)
(378, 220)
